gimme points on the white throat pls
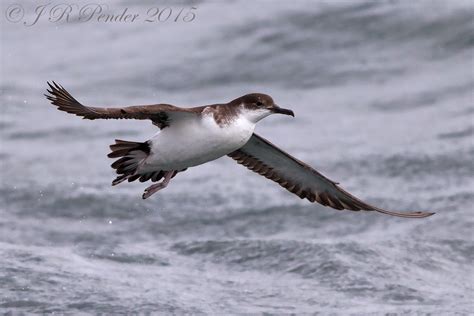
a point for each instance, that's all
(254, 115)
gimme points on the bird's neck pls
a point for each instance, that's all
(253, 115)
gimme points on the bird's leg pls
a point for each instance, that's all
(158, 186)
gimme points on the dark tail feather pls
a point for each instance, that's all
(120, 179)
(130, 155)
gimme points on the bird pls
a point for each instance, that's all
(189, 137)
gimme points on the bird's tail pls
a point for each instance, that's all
(131, 155)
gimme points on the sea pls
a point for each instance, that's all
(383, 97)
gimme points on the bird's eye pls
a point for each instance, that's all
(259, 103)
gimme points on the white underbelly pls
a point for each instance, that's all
(194, 141)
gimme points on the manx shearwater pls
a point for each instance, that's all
(193, 136)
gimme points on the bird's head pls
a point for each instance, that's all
(256, 106)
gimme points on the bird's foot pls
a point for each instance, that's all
(152, 189)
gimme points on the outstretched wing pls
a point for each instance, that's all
(160, 114)
(264, 158)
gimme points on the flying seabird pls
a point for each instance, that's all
(193, 136)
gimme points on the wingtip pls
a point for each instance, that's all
(54, 86)
(406, 214)
(50, 85)
(427, 214)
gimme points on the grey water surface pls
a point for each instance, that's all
(383, 97)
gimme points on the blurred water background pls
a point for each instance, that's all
(383, 96)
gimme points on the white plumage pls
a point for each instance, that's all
(195, 140)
